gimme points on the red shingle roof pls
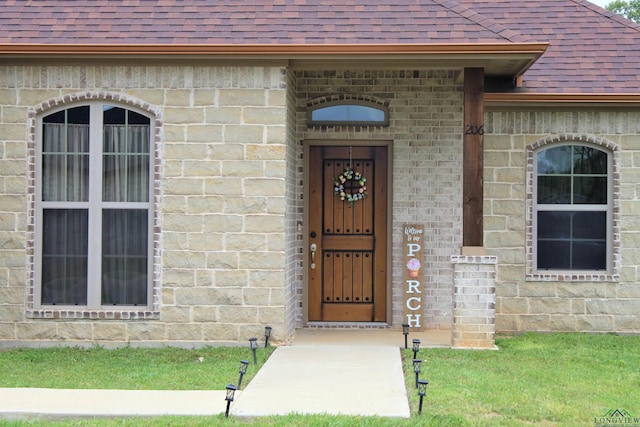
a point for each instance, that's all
(591, 50)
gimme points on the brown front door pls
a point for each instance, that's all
(347, 255)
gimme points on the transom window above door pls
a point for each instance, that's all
(94, 216)
(348, 112)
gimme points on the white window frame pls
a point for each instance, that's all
(611, 208)
(95, 207)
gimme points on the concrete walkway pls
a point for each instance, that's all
(333, 371)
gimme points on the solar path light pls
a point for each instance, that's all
(422, 391)
(253, 342)
(416, 369)
(405, 332)
(243, 370)
(267, 334)
(231, 391)
(416, 348)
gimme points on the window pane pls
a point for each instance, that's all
(554, 255)
(554, 225)
(64, 256)
(348, 113)
(590, 190)
(126, 156)
(554, 189)
(589, 160)
(590, 255)
(65, 162)
(590, 225)
(124, 257)
(556, 160)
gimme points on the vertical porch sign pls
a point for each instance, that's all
(413, 263)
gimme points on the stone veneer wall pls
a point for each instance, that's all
(525, 302)
(426, 115)
(221, 203)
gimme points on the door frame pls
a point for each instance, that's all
(306, 143)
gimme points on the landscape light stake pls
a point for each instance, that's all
(416, 369)
(267, 334)
(231, 391)
(416, 348)
(422, 391)
(253, 342)
(243, 370)
(405, 332)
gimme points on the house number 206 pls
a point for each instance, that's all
(474, 130)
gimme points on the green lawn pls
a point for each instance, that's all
(534, 379)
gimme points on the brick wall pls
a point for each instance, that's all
(426, 114)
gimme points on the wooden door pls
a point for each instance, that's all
(347, 255)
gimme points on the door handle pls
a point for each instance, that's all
(313, 249)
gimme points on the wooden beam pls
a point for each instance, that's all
(473, 152)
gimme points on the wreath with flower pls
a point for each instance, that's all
(358, 191)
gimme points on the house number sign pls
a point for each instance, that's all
(474, 130)
(413, 278)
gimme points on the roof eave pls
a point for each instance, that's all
(503, 58)
(546, 100)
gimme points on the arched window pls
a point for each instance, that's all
(572, 209)
(93, 216)
(348, 113)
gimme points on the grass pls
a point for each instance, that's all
(534, 379)
(127, 368)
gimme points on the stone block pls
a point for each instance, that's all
(267, 279)
(245, 241)
(244, 97)
(185, 332)
(205, 133)
(563, 323)
(224, 260)
(264, 187)
(146, 331)
(256, 296)
(178, 278)
(176, 314)
(513, 305)
(221, 332)
(244, 133)
(266, 152)
(243, 168)
(110, 331)
(223, 186)
(178, 259)
(595, 323)
(264, 224)
(549, 306)
(627, 323)
(238, 315)
(205, 314)
(271, 315)
(177, 115)
(262, 260)
(535, 323)
(231, 278)
(223, 115)
(264, 115)
(222, 223)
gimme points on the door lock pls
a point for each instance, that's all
(313, 249)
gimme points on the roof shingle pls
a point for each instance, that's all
(586, 42)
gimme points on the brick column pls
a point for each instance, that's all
(474, 301)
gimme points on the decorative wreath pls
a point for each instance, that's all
(350, 175)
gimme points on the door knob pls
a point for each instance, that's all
(313, 249)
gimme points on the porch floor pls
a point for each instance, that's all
(384, 337)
